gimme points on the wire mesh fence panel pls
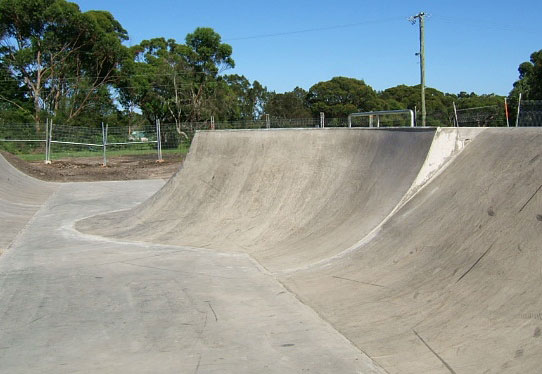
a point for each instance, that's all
(126, 141)
(437, 119)
(336, 122)
(279, 123)
(75, 141)
(530, 113)
(23, 138)
(242, 124)
(381, 120)
(484, 116)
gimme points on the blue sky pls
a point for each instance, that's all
(470, 45)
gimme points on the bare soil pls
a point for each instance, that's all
(90, 169)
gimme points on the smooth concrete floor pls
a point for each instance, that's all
(75, 303)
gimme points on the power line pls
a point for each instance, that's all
(335, 27)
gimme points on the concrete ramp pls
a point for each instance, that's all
(452, 283)
(288, 197)
(20, 198)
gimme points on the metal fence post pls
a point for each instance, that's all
(46, 140)
(455, 115)
(506, 112)
(519, 107)
(212, 122)
(104, 143)
(159, 141)
(322, 120)
(267, 122)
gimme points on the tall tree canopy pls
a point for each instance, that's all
(248, 98)
(177, 82)
(530, 78)
(341, 96)
(62, 57)
(289, 104)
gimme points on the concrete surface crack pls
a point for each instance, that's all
(357, 281)
(150, 267)
(212, 310)
(197, 366)
(532, 196)
(476, 262)
(435, 353)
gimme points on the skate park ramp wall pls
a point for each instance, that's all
(288, 197)
(453, 281)
(450, 281)
(21, 196)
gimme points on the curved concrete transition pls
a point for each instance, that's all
(288, 197)
(426, 258)
(452, 283)
(21, 196)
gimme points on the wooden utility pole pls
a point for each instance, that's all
(421, 18)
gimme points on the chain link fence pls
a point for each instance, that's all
(530, 113)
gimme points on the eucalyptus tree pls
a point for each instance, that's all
(176, 82)
(530, 78)
(292, 104)
(341, 96)
(249, 97)
(61, 56)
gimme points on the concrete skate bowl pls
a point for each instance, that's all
(288, 197)
(21, 197)
(425, 275)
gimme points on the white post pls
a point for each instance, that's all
(506, 112)
(455, 114)
(159, 141)
(322, 120)
(47, 140)
(104, 143)
(519, 107)
(212, 122)
(349, 120)
(48, 143)
(267, 122)
(371, 120)
(377, 120)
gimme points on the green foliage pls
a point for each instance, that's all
(61, 63)
(341, 96)
(289, 104)
(61, 56)
(206, 53)
(248, 99)
(175, 82)
(530, 78)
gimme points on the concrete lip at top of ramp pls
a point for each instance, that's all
(288, 197)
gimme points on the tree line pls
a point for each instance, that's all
(72, 66)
